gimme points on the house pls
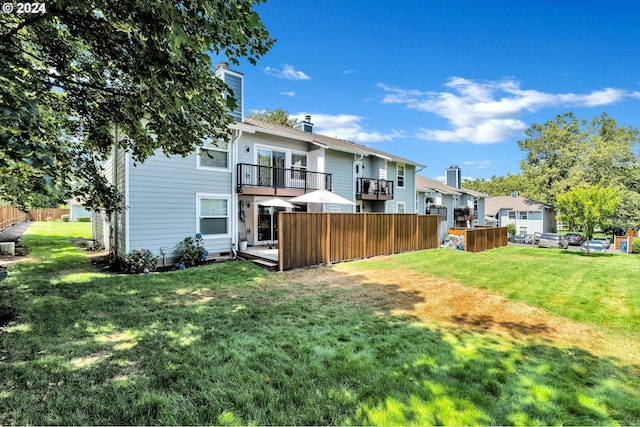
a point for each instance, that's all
(77, 210)
(215, 191)
(455, 205)
(528, 216)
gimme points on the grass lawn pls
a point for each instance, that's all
(514, 336)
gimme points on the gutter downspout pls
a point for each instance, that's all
(415, 187)
(353, 167)
(234, 204)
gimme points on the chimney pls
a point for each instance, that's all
(514, 194)
(235, 81)
(453, 176)
(305, 125)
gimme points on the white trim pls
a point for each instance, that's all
(127, 221)
(212, 168)
(404, 175)
(404, 206)
(218, 196)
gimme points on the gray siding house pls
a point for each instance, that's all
(528, 216)
(216, 190)
(455, 205)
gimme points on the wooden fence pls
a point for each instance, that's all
(10, 215)
(306, 239)
(480, 238)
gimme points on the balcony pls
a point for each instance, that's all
(374, 189)
(441, 211)
(265, 180)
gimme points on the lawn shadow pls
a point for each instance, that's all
(233, 344)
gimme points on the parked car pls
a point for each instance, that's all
(593, 246)
(536, 237)
(574, 239)
(552, 240)
(520, 238)
(607, 242)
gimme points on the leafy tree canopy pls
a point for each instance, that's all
(86, 74)
(589, 207)
(499, 185)
(277, 116)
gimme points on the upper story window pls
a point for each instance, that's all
(400, 207)
(512, 214)
(400, 176)
(214, 155)
(299, 163)
(524, 215)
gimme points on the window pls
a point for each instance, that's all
(523, 215)
(214, 155)
(400, 176)
(400, 207)
(512, 214)
(213, 215)
(299, 164)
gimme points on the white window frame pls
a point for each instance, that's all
(404, 207)
(215, 196)
(511, 215)
(398, 175)
(524, 215)
(209, 145)
(302, 169)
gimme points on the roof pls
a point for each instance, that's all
(325, 141)
(494, 204)
(433, 185)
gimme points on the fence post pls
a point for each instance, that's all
(328, 241)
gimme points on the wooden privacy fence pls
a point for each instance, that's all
(482, 238)
(10, 215)
(306, 239)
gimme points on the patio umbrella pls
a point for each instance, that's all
(322, 196)
(274, 202)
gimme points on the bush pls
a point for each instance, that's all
(191, 251)
(84, 219)
(65, 218)
(140, 261)
(511, 229)
(635, 246)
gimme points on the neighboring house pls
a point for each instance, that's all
(529, 216)
(215, 191)
(77, 209)
(456, 206)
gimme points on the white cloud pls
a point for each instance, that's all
(287, 72)
(487, 112)
(290, 94)
(479, 164)
(347, 127)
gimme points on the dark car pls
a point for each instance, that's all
(574, 239)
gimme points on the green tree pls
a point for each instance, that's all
(589, 207)
(277, 116)
(499, 185)
(81, 77)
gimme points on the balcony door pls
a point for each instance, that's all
(268, 159)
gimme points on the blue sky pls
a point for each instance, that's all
(447, 82)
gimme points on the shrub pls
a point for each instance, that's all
(140, 261)
(635, 246)
(191, 251)
(84, 219)
(65, 218)
(511, 229)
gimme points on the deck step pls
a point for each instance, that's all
(266, 264)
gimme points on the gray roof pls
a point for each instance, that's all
(494, 204)
(327, 141)
(433, 185)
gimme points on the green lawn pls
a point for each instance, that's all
(233, 344)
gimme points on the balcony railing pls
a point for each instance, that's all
(441, 211)
(270, 179)
(374, 189)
